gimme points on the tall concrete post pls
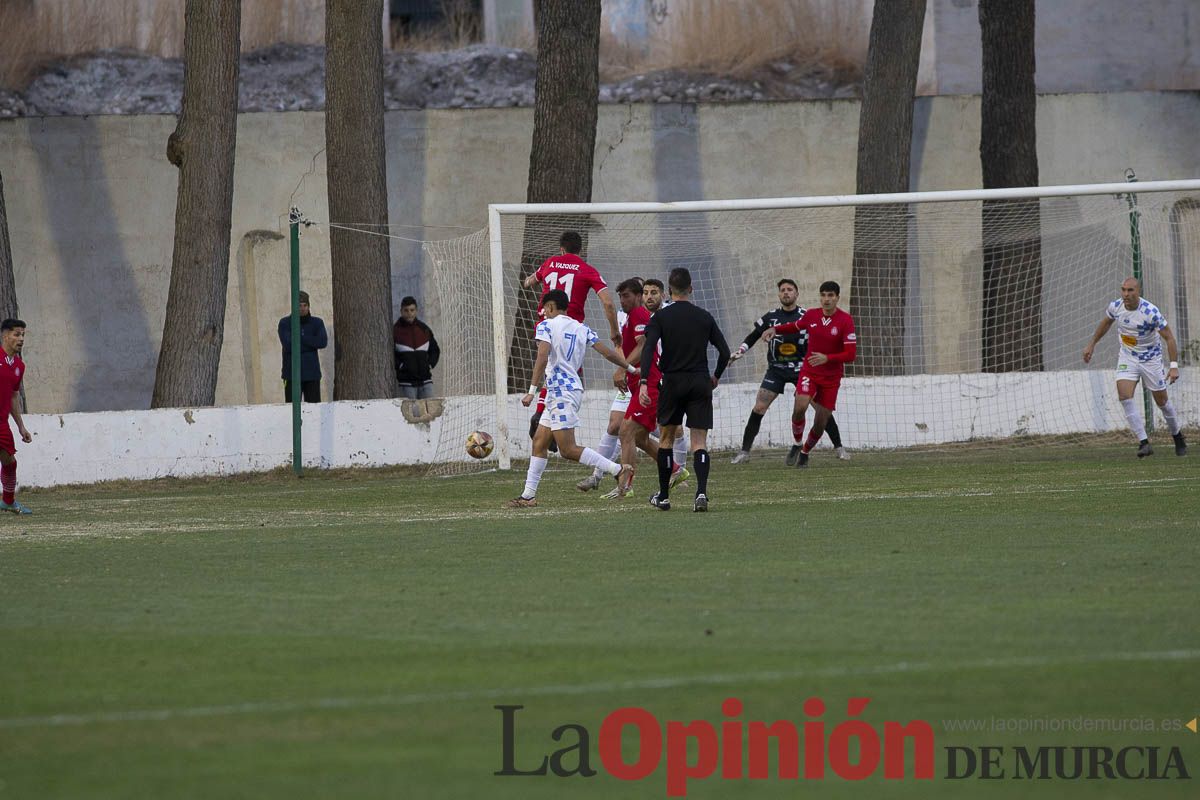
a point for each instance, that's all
(507, 21)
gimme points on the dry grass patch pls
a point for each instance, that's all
(737, 37)
(36, 32)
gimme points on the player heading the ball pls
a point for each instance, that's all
(562, 343)
(575, 277)
(1142, 329)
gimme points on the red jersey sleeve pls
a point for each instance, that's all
(635, 326)
(794, 327)
(849, 349)
(596, 279)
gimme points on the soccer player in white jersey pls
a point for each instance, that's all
(562, 343)
(1142, 329)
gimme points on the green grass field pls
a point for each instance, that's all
(347, 634)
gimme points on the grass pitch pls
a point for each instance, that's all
(347, 634)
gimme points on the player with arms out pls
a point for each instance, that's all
(785, 357)
(1142, 329)
(574, 276)
(562, 343)
(12, 372)
(831, 345)
(685, 331)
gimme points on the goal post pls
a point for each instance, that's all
(944, 392)
(499, 339)
(834, 200)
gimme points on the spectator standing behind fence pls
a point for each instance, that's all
(312, 339)
(417, 352)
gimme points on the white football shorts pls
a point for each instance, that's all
(1151, 373)
(562, 409)
(621, 402)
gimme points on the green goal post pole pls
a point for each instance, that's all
(294, 223)
(1135, 251)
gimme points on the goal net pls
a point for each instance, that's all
(972, 308)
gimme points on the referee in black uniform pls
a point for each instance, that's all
(685, 332)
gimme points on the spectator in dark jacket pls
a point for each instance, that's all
(417, 352)
(312, 339)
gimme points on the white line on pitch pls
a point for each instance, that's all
(517, 693)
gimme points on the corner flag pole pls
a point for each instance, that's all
(294, 219)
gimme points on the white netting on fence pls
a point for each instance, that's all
(971, 319)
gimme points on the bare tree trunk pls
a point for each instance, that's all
(357, 165)
(566, 93)
(880, 265)
(202, 147)
(1012, 229)
(8, 282)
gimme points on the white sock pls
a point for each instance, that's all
(680, 448)
(1168, 412)
(1135, 418)
(608, 448)
(533, 477)
(591, 458)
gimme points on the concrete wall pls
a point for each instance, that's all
(1082, 46)
(91, 203)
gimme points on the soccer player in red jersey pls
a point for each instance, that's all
(12, 370)
(831, 345)
(570, 273)
(640, 419)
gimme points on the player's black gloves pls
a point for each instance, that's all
(534, 421)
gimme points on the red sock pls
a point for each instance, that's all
(8, 477)
(541, 400)
(810, 442)
(798, 431)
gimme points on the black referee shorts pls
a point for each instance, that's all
(686, 394)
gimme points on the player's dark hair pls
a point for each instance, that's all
(680, 280)
(630, 285)
(654, 282)
(558, 297)
(571, 241)
(408, 301)
(789, 282)
(831, 286)
(10, 324)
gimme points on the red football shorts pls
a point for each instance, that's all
(646, 416)
(7, 443)
(823, 390)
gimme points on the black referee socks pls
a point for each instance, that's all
(831, 430)
(666, 465)
(700, 463)
(752, 427)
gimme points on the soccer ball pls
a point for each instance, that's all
(479, 444)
